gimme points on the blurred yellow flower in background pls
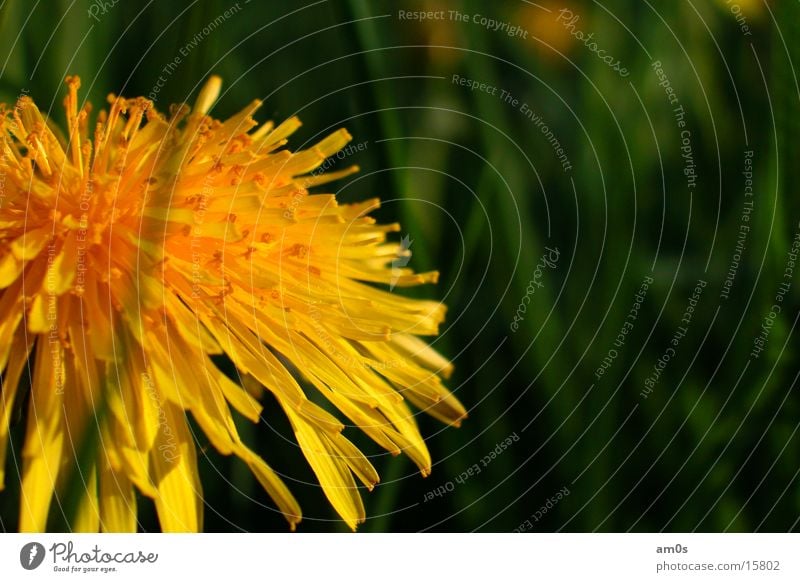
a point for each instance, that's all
(548, 35)
(754, 8)
(128, 259)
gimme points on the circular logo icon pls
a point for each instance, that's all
(31, 555)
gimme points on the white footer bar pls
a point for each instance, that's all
(402, 557)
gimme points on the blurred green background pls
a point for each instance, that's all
(479, 187)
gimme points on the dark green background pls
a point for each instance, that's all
(476, 185)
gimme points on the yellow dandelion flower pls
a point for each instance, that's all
(128, 260)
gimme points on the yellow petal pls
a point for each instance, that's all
(274, 486)
(208, 94)
(423, 353)
(333, 473)
(79, 462)
(117, 501)
(174, 468)
(239, 398)
(356, 460)
(24, 248)
(11, 309)
(61, 270)
(37, 315)
(88, 516)
(43, 447)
